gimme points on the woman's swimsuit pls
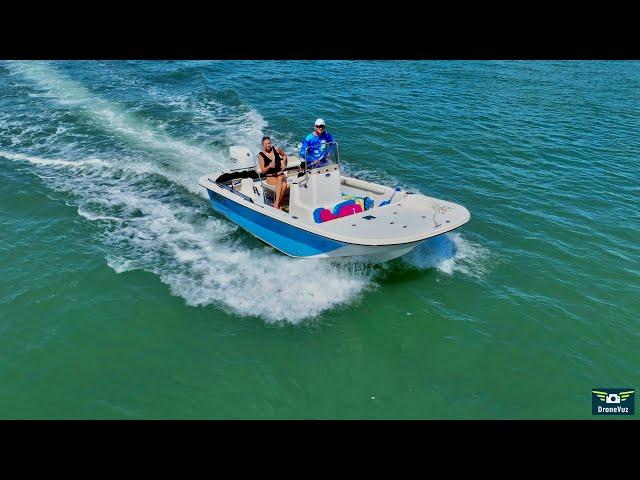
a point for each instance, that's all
(272, 172)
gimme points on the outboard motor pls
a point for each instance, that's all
(241, 157)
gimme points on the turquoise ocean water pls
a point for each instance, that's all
(123, 295)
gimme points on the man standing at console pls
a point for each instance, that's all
(314, 146)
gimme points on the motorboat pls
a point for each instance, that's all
(329, 214)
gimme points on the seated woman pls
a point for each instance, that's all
(273, 161)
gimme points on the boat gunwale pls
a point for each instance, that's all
(248, 204)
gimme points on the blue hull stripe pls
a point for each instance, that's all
(291, 240)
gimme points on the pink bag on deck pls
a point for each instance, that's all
(347, 210)
(343, 209)
(326, 215)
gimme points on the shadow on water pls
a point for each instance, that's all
(398, 272)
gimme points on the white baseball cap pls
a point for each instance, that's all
(319, 122)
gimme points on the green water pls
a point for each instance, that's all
(123, 295)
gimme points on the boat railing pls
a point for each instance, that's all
(305, 177)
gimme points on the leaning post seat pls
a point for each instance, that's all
(293, 161)
(246, 186)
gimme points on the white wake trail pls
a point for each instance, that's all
(193, 160)
(154, 228)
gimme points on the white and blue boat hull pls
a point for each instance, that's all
(298, 242)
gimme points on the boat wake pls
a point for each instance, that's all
(135, 184)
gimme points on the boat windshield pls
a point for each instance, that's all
(323, 155)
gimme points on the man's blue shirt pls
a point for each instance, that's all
(317, 144)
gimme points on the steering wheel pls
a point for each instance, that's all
(318, 162)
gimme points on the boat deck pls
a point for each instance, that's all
(413, 218)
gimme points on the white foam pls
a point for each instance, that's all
(83, 212)
(50, 161)
(201, 264)
(231, 124)
(450, 253)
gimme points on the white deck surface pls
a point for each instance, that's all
(409, 220)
